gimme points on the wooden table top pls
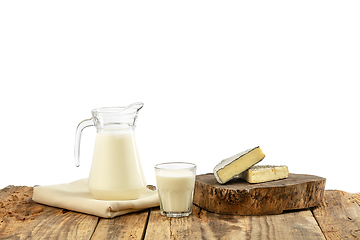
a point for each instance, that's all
(338, 217)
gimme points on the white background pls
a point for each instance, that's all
(216, 78)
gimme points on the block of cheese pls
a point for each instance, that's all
(228, 168)
(264, 173)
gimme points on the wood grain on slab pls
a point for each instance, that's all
(239, 197)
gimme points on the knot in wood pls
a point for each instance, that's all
(234, 197)
(221, 193)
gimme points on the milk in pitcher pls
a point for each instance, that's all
(115, 171)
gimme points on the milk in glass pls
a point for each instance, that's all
(176, 188)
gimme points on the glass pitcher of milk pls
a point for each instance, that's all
(116, 172)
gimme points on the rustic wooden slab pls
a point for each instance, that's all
(339, 215)
(239, 197)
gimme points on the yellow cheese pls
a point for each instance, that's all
(228, 168)
(264, 173)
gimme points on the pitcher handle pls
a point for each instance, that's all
(80, 127)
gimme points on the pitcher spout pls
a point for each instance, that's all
(133, 107)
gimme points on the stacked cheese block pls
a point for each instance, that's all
(243, 165)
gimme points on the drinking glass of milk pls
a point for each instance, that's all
(175, 182)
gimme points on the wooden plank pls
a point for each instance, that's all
(202, 224)
(61, 224)
(11, 220)
(338, 215)
(129, 226)
(161, 227)
(289, 225)
(22, 218)
(158, 226)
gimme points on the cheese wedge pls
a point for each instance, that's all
(265, 173)
(228, 168)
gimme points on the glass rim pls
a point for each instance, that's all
(186, 165)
